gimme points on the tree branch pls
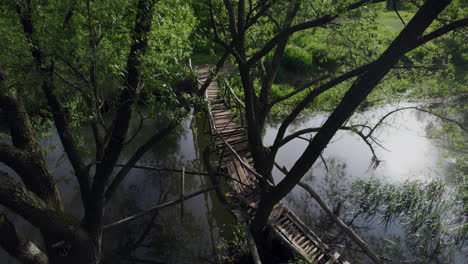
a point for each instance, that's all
(310, 97)
(415, 108)
(151, 168)
(271, 71)
(306, 25)
(21, 130)
(32, 208)
(33, 172)
(359, 71)
(300, 89)
(441, 31)
(160, 135)
(60, 114)
(156, 208)
(55, 225)
(353, 98)
(365, 138)
(25, 251)
(348, 230)
(127, 98)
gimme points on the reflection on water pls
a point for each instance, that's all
(163, 236)
(408, 155)
(167, 237)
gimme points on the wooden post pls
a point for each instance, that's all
(182, 191)
(190, 63)
(252, 246)
(221, 157)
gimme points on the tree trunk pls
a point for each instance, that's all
(356, 94)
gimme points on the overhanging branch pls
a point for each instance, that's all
(156, 208)
(380, 122)
(32, 208)
(160, 135)
(321, 21)
(25, 251)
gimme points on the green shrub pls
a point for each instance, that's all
(322, 58)
(297, 60)
(279, 90)
(233, 250)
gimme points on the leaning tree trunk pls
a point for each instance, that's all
(408, 38)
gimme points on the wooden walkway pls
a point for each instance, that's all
(231, 144)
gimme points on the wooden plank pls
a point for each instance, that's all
(319, 258)
(312, 251)
(307, 231)
(301, 240)
(281, 236)
(333, 258)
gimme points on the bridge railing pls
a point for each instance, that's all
(235, 103)
(231, 99)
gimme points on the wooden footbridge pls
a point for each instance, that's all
(230, 140)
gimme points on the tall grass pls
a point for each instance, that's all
(433, 218)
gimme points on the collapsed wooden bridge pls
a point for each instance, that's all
(230, 140)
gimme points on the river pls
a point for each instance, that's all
(194, 235)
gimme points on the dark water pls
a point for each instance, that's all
(194, 237)
(161, 237)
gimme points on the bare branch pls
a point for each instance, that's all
(310, 97)
(151, 168)
(160, 135)
(156, 208)
(415, 108)
(353, 129)
(398, 13)
(324, 162)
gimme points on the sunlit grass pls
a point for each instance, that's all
(432, 217)
(390, 20)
